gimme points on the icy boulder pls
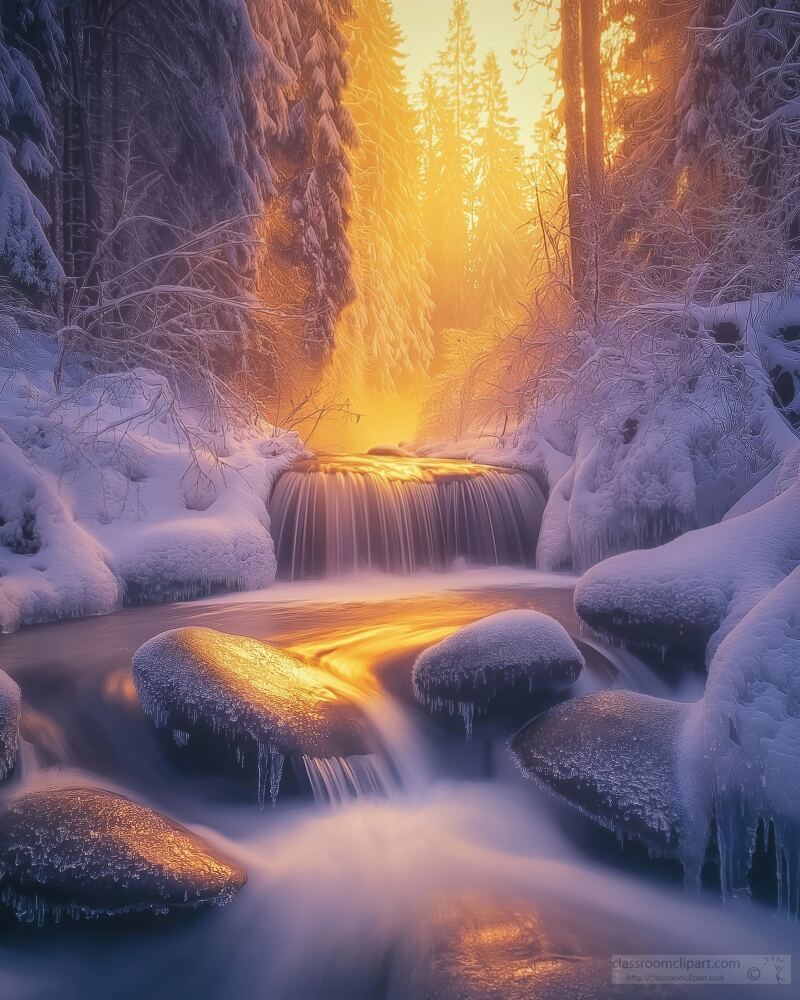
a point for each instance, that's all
(9, 724)
(699, 586)
(89, 853)
(256, 697)
(751, 739)
(616, 756)
(506, 656)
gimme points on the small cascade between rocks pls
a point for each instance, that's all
(344, 514)
(336, 780)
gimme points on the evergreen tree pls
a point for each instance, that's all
(501, 242)
(458, 75)
(449, 115)
(321, 130)
(389, 324)
(27, 144)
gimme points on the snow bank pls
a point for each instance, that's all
(654, 427)
(114, 490)
(751, 738)
(699, 586)
(738, 748)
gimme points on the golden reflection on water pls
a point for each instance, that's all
(493, 949)
(353, 652)
(396, 469)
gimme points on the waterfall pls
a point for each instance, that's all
(340, 514)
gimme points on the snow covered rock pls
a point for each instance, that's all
(700, 585)
(50, 566)
(616, 756)
(89, 853)
(506, 655)
(256, 697)
(9, 724)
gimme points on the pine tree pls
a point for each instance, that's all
(389, 324)
(458, 75)
(321, 130)
(501, 243)
(449, 112)
(26, 152)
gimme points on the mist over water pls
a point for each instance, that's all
(450, 876)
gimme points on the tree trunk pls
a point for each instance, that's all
(593, 96)
(575, 140)
(593, 104)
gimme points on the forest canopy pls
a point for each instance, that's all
(251, 193)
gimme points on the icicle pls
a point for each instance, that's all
(275, 773)
(264, 753)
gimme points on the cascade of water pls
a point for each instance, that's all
(336, 780)
(338, 515)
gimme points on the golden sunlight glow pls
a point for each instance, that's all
(498, 27)
(496, 949)
(352, 652)
(417, 470)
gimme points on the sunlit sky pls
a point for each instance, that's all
(425, 25)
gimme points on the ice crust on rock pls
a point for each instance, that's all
(260, 699)
(9, 724)
(88, 853)
(672, 773)
(519, 651)
(616, 756)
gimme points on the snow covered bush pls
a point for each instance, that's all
(648, 428)
(116, 488)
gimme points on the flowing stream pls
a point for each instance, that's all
(431, 870)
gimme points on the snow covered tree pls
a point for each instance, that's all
(501, 246)
(388, 326)
(320, 132)
(449, 114)
(457, 71)
(738, 142)
(27, 142)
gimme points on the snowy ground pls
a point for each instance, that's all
(112, 491)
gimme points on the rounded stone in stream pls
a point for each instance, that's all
(507, 655)
(251, 694)
(615, 756)
(89, 853)
(9, 724)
